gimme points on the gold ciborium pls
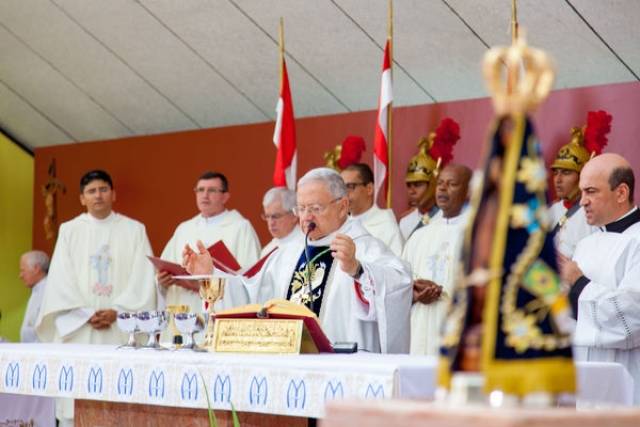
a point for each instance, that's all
(211, 291)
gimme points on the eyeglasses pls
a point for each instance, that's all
(314, 209)
(353, 185)
(274, 217)
(202, 190)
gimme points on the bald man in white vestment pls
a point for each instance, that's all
(434, 252)
(278, 204)
(604, 274)
(213, 223)
(360, 290)
(99, 267)
(380, 223)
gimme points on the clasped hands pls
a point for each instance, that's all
(569, 270)
(102, 319)
(426, 291)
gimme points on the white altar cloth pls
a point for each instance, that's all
(297, 385)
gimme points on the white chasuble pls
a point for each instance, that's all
(433, 252)
(571, 229)
(97, 264)
(381, 223)
(608, 323)
(229, 226)
(378, 320)
(295, 234)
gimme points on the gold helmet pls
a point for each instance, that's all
(585, 143)
(574, 155)
(434, 152)
(422, 166)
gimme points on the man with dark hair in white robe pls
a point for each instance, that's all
(213, 223)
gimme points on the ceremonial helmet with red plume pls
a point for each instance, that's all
(346, 154)
(434, 152)
(585, 143)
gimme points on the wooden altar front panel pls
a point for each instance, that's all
(93, 413)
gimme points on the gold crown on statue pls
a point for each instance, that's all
(422, 166)
(529, 77)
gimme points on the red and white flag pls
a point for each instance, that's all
(381, 137)
(284, 137)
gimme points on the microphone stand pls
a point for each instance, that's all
(310, 228)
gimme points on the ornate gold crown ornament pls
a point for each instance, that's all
(529, 77)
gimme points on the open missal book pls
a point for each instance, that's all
(282, 309)
(222, 258)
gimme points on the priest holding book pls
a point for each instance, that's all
(212, 224)
(360, 291)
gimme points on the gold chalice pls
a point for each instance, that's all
(211, 291)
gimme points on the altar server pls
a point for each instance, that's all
(213, 223)
(359, 289)
(604, 274)
(434, 254)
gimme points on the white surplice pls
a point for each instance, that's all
(433, 251)
(233, 229)
(574, 229)
(410, 221)
(97, 264)
(28, 329)
(608, 324)
(295, 234)
(381, 223)
(382, 325)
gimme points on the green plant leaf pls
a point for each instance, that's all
(213, 421)
(234, 416)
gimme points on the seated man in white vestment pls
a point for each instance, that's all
(567, 216)
(380, 223)
(212, 223)
(99, 267)
(434, 254)
(604, 274)
(278, 204)
(34, 266)
(360, 290)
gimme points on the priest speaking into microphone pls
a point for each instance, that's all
(359, 289)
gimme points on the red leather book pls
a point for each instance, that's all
(251, 271)
(222, 257)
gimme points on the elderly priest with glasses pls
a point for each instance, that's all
(359, 289)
